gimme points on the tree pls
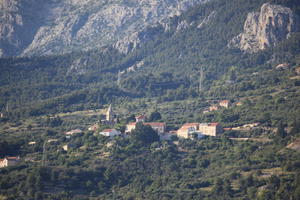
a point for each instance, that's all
(295, 127)
(144, 134)
(154, 116)
(218, 187)
(131, 118)
(280, 131)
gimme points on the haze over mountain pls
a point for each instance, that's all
(53, 27)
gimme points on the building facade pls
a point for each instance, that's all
(186, 132)
(210, 129)
(224, 103)
(110, 132)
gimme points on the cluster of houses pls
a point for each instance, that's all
(188, 130)
(221, 104)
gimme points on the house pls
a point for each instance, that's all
(94, 127)
(213, 108)
(9, 161)
(32, 143)
(110, 132)
(224, 103)
(140, 118)
(129, 127)
(157, 126)
(252, 125)
(186, 132)
(239, 103)
(195, 125)
(297, 70)
(282, 66)
(210, 129)
(73, 132)
(69, 146)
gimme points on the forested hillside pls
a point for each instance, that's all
(186, 67)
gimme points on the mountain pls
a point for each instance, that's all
(165, 64)
(177, 70)
(266, 28)
(53, 27)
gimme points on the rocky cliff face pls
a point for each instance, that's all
(19, 23)
(266, 28)
(58, 26)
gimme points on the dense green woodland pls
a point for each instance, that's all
(37, 93)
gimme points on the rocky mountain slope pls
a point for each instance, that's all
(50, 27)
(20, 21)
(264, 29)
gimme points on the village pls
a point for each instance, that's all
(191, 130)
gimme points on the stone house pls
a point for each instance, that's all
(210, 129)
(224, 103)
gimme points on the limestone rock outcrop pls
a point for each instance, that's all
(266, 28)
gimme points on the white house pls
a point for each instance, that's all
(110, 132)
(185, 132)
(73, 132)
(9, 161)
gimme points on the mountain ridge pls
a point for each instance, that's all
(73, 25)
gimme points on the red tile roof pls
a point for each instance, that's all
(213, 124)
(12, 158)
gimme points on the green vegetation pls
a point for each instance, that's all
(41, 98)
